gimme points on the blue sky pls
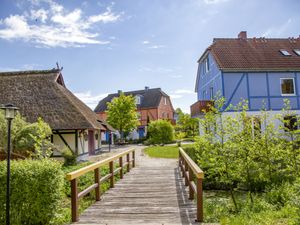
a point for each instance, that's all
(105, 46)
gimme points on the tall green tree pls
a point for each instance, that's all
(185, 124)
(122, 114)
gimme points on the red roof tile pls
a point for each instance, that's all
(255, 54)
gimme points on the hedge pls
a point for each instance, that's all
(36, 191)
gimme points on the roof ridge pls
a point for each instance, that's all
(29, 72)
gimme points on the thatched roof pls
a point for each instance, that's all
(43, 94)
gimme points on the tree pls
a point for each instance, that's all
(161, 132)
(186, 124)
(122, 115)
(27, 138)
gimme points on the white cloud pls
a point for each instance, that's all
(146, 42)
(55, 26)
(89, 99)
(183, 91)
(176, 96)
(40, 14)
(277, 31)
(212, 2)
(156, 46)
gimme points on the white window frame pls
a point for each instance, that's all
(138, 100)
(165, 100)
(288, 78)
(285, 52)
(207, 65)
(297, 52)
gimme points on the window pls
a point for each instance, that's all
(204, 95)
(137, 100)
(297, 51)
(290, 123)
(287, 86)
(211, 93)
(165, 99)
(285, 52)
(206, 64)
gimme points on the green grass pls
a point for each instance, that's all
(170, 152)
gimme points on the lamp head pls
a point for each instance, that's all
(10, 111)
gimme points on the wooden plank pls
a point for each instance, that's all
(87, 190)
(197, 171)
(84, 170)
(152, 193)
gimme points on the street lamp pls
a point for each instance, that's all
(10, 113)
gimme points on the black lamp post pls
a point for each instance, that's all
(10, 112)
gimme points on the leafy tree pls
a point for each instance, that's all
(186, 124)
(122, 115)
(160, 132)
(27, 138)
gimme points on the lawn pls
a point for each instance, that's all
(170, 152)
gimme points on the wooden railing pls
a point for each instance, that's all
(191, 172)
(74, 176)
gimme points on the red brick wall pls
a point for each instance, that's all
(165, 111)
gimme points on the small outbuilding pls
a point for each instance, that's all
(42, 93)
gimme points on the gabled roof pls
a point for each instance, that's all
(254, 54)
(43, 94)
(150, 98)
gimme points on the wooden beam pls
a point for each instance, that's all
(64, 141)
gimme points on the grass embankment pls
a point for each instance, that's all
(170, 152)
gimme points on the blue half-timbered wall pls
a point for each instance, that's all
(259, 88)
(207, 80)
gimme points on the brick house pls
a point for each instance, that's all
(152, 104)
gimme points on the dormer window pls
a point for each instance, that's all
(285, 52)
(297, 51)
(138, 100)
(206, 64)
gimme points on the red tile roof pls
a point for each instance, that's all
(255, 54)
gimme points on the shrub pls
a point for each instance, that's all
(160, 132)
(36, 191)
(69, 157)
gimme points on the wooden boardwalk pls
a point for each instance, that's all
(152, 193)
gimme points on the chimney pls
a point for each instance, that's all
(119, 92)
(146, 88)
(243, 35)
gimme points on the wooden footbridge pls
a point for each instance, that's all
(153, 191)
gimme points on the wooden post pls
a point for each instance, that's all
(133, 159)
(111, 170)
(97, 181)
(128, 162)
(186, 168)
(182, 166)
(191, 191)
(121, 165)
(199, 200)
(74, 200)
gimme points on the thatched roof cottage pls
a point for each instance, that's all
(43, 94)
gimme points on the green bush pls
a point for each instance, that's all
(160, 132)
(36, 191)
(69, 157)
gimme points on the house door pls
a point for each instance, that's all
(91, 142)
